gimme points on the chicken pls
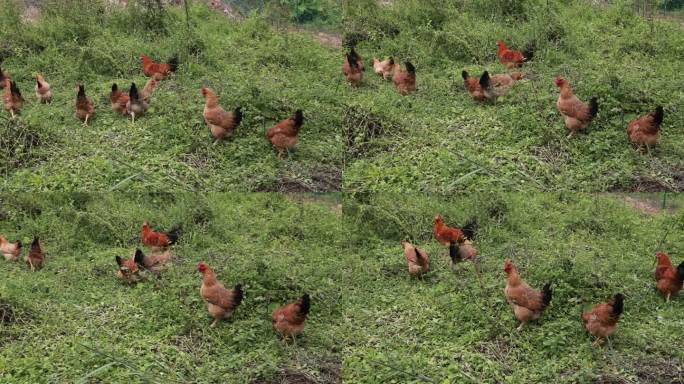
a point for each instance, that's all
(146, 93)
(351, 70)
(156, 70)
(4, 75)
(601, 321)
(645, 130)
(496, 86)
(385, 68)
(405, 81)
(221, 302)
(359, 59)
(284, 135)
(84, 106)
(577, 114)
(464, 250)
(43, 92)
(135, 105)
(153, 262)
(118, 99)
(11, 251)
(13, 99)
(489, 87)
(444, 234)
(669, 280)
(289, 319)
(511, 58)
(416, 258)
(35, 256)
(473, 86)
(128, 270)
(222, 124)
(527, 303)
(159, 239)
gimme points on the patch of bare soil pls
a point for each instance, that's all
(225, 8)
(652, 370)
(330, 201)
(647, 203)
(325, 38)
(329, 372)
(192, 343)
(31, 14)
(499, 349)
(296, 179)
(665, 177)
(329, 39)
(17, 145)
(361, 129)
(640, 205)
(288, 377)
(11, 314)
(552, 153)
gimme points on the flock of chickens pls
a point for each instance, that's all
(222, 124)
(288, 320)
(642, 131)
(527, 303)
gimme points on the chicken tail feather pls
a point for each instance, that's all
(484, 80)
(548, 293)
(453, 251)
(593, 106)
(173, 63)
(658, 117)
(139, 257)
(298, 118)
(238, 294)
(410, 68)
(238, 115)
(174, 234)
(304, 305)
(529, 53)
(470, 228)
(618, 305)
(680, 271)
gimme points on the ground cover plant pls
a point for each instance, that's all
(440, 140)
(262, 57)
(248, 64)
(73, 321)
(456, 327)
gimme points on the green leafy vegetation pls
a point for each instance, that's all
(443, 141)
(436, 140)
(267, 73)
(456, 327)
(73, 321)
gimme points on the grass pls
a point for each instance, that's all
(73, 322)
(370, 322)
(452, 327)
(100, 330)
(269, 74)
(436, 140)
(440, 140)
